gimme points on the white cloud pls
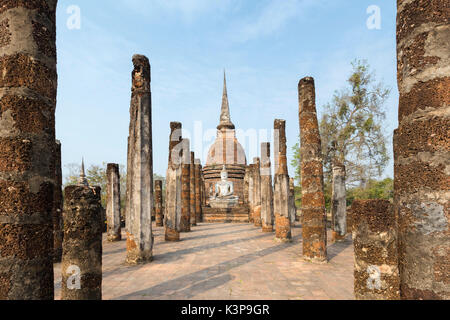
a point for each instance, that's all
(189, 10)
(273, 17)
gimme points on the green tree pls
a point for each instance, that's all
(351, 127)
(96, 176)
(351, 130)
(374, 189)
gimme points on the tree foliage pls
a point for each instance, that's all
(352, 127)
(351, 130)
(96, 176)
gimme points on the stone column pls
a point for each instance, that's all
(57, 207)
(257, 193)
(199, 190)
(193, 190)
(185, 223)
(292, 206)
(251, 191)
(159, 204)
(172, 217)
(113, 202)
(339, 203)
(81, 266)
(422, 149)
(28, 84)
(246, 178)
(267, 217)
(140, 166)
(313, 202)
(375, 245)
(282, 191)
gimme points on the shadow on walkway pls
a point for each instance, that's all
(203, 280)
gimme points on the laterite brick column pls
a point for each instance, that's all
(422, 157)
(282, 191)
(339, 203)
(251, 191)
(292, 205)
(246, 178)
(58, 206)
(28, 84)
(257, 192)
(159, 203)
(81, 266)
(185, 223)
(172, 215)
(199, 190)
(113, 202)
(313, 202)
(193, 215)
(267, 217)
(140, 166)
(375, 245)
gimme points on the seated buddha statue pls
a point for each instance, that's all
(224, 188)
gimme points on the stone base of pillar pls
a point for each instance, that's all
(172, 235)
(134, 254)
(283, 228)
(376, 252)
(185, 225)
(315, 260)
(114, 238)
(336, 237)
(257, 216)
(267, 229)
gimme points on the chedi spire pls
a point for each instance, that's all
(225, 119)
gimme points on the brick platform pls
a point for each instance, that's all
(232, 215)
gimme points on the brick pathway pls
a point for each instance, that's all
(226, 261)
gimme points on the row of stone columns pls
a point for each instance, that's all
(271, 204)
(183, 186)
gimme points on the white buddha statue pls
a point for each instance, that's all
(224, 188)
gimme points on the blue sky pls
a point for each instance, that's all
(266, 47)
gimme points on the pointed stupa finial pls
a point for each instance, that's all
(225, 119)
(82, 181)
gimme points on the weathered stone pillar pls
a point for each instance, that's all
(292, 205)
(28, 84)
(313, 202)
(159, 204)
(282, 191)
(172, 217)
(140, 166)
(199, 190)
(113, 202)
(422, 150)
(246, 178)
(57, 206)
(375, 245)
(257, 193)
(339, 203)
(251, 191)
(193, 190)
(267, 217)
(185, 223)
(81, 266)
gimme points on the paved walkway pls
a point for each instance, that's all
(223, 262)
